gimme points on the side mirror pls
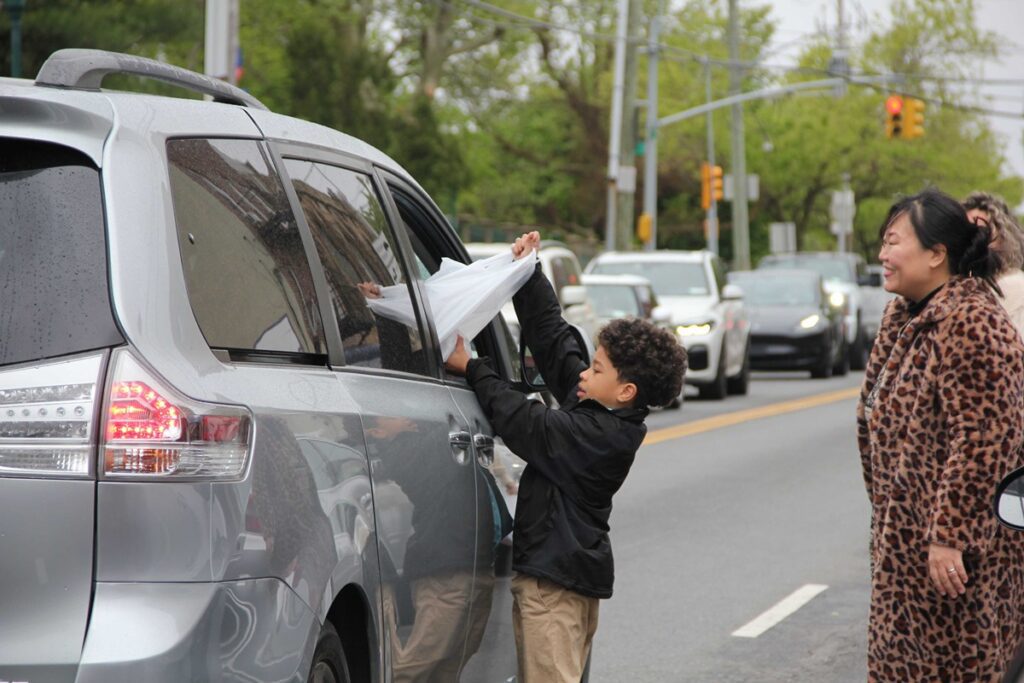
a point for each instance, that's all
(661, 315)
(573, 295)
(1009, 503)
(732, 293)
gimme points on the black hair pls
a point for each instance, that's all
(649, 356)
(937, 219)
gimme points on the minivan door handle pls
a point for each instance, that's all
(484, 449)
(460, 442)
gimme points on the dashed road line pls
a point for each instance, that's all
(785, 607)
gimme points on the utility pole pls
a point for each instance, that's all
(626, 186)
(712, 216)
(651, 144)
(14, 9)
(221, 39)
(615, 129)
(740, 221)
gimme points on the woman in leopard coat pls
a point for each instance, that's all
(939, 424)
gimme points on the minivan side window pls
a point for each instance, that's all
(248, 279)
(352, 237)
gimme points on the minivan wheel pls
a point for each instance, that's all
(718, 387)
(329, 664)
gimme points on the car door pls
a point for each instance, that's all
(489, 649)
(420, 449)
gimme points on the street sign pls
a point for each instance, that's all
(753, 187)
(843, 210)
(782, 238)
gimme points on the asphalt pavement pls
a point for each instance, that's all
(758, 500)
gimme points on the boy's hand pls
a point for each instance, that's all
(371, 290)
(459, 360)
(530, 241)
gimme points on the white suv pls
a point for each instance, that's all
(706, 312)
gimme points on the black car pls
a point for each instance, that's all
(793, 325)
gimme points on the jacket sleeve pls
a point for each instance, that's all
(980, 387)
(550, 338)
(544, 437)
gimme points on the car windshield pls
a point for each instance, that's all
(669, 278)
(828, 268)
(776, 290)
(613, 301)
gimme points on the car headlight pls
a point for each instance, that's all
(810, 322)
(695, 329)
(837, 299)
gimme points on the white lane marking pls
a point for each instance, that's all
(797, 599)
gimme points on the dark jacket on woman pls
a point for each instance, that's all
(939, 424)
(577, 455)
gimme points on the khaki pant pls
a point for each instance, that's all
(554, 628)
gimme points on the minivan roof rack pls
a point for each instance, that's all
(86, 69)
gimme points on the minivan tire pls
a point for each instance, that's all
(329, 665)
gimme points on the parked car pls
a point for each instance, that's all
(876, 298)
(793, 326)
(216, 463)
(622, 296)
(844, 273)
(707, 313)
(560, 265)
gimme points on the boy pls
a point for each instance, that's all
(577, 458)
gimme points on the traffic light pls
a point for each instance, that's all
(710, 184)
(913, 118)
(643, 227)
(705, 185)
(717, 189)
(894, 117)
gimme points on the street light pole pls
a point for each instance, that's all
(740, 227)
(14, 9)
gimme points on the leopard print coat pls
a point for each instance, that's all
(940, 422)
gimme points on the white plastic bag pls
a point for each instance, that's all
(463, 299)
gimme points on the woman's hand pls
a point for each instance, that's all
(530, 241)
(946, 568)
(459, 360)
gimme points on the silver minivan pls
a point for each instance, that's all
(216, 464)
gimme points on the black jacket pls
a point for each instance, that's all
(577, 456)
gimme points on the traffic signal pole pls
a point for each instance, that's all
(740, 219)
(712, 214)
(615, 129)
(651, 145)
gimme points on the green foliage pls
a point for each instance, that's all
(505, 120)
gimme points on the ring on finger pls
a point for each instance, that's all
(951, 570)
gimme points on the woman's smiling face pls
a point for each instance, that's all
(910, 269)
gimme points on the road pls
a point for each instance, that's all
(713, 528)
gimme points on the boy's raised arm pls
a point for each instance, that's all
(555, 349)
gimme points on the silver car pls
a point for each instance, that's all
(216, 463)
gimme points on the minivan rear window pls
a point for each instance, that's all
(54, 292)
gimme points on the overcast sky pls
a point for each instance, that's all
(801, 18)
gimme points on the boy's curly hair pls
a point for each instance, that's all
(648, 356)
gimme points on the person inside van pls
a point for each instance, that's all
(577, 456)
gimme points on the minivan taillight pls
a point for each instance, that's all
(46, 416)
(152, 430)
